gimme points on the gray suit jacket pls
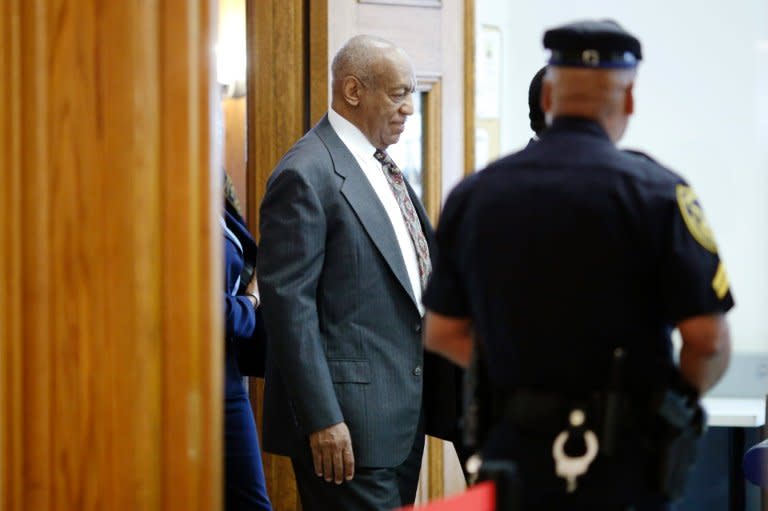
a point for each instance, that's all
(342, 322)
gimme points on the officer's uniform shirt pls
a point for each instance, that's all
(568, 249)
(559, 254)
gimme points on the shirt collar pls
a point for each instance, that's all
(581, 124)
(351, 135)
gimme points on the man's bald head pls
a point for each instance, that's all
(604, 95)
(372, 85)
(360, 57)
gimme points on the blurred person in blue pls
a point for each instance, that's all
(245, 489)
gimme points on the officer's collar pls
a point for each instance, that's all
(581, 124)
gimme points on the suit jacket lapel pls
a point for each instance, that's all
(360, 195)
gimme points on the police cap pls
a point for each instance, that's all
(592, 44)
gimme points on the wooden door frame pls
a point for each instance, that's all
(431, 87)
(287, 49)
(469, 86)
(432, 147)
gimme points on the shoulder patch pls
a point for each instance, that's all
(694, 218)
(720, 282)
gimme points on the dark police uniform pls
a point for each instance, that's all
(561, 253)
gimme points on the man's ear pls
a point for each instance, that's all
(351, 90)
(546, 96)
(629, 100)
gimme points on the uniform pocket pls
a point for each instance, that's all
(350, 371)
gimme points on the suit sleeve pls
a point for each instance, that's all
(290, 261)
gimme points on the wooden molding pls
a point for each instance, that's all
(436, 467)
(15, 463)
(469, 86)
(234, 145)
(408, 3)
(278, 114)
(433, 147)
(431, 85)
(319, 98)
(276, 104)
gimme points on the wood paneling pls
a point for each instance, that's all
(276, 89)
(433, 147)
(432, 144)
(469, 86)
(415, 29)
(230, 53)
(319, 66)
(411, 3)
(111, 370)
(11, 462)
(278, 114)
(234, 145)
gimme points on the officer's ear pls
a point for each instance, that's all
(546, 96)
(629, 99)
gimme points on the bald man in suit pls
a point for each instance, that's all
(345, 253)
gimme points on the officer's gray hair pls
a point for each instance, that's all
(357, 57)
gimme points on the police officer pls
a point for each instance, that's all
(571, 262)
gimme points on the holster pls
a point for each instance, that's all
(479, 410)
(681, 423)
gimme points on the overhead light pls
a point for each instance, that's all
(762, 45)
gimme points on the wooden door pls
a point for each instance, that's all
(111, 343)
(277, 34)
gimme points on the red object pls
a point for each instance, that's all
(481, 497)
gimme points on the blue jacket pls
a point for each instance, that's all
(244, 332)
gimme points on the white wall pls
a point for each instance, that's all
(701, 109)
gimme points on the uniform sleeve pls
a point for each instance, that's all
(693, 276)
(446, 292)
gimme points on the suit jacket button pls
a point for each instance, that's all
(417, 327)
(417, 371)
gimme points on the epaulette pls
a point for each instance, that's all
(640, 153)
(654, 168)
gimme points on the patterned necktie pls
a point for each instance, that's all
(397, 183)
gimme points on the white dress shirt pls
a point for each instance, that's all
(363, 151)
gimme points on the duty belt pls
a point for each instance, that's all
(529, 409)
